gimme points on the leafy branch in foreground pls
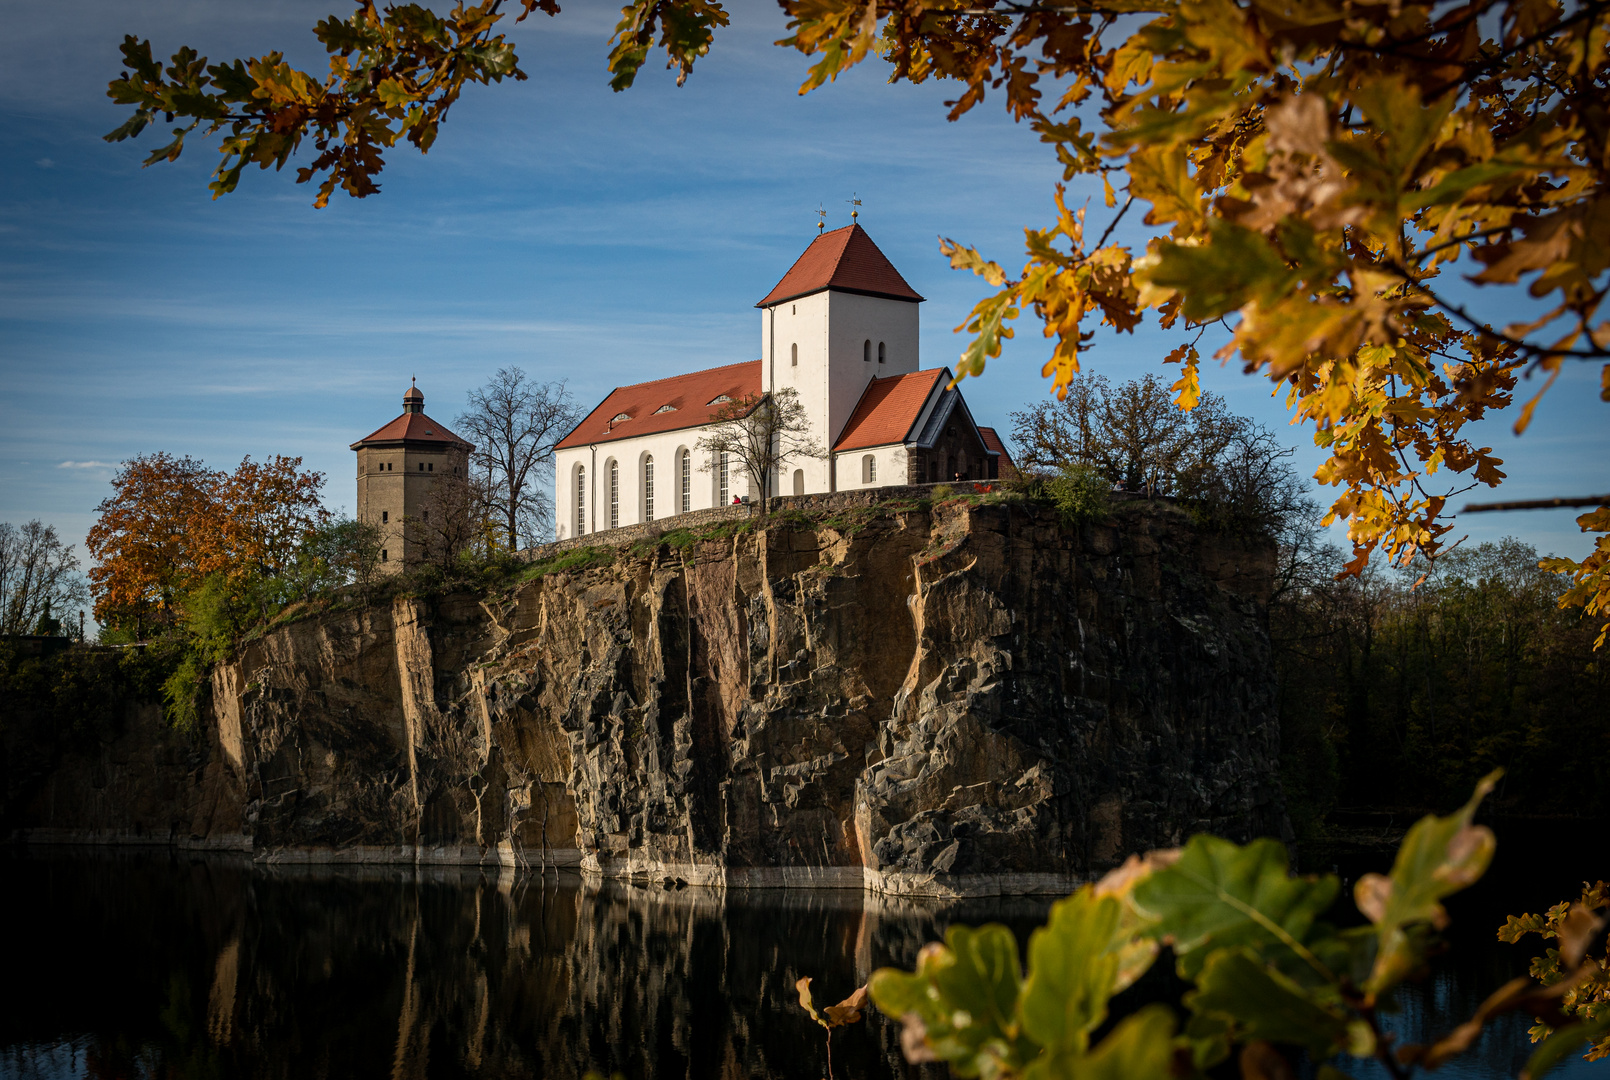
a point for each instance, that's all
(393, 75)
(1314, 172)
(1584, 981)
(1270, 977)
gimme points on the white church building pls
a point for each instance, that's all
(841, 329)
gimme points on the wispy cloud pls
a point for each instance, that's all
(86, 465)
(45, 163)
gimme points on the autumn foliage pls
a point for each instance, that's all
(172, 523)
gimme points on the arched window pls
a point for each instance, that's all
(794, 353)
(725, 489)
(687, 481)
(799, 481)
(581, 500)
(866, 350)
(880, 352)
(869, 469)
(950, 468)
(614, 494)
(648, 487)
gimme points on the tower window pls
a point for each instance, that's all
(382, 554)
(866, 350)
(614, 494)
(581, 500)
(648, 488)
(725, 473)
(421, 466)
(687, 481)
(425, 515)
(385, 516)
(880, 352)
(431, 467)
(794, 350)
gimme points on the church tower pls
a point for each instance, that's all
(841, 317)
(401, 470)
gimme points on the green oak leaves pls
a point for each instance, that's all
(1269, 975)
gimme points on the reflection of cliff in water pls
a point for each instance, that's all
(126, 966)
(146, 967)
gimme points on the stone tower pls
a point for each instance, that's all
(406, 469)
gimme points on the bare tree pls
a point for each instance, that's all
(39, 578)
(1133, 434)
(515, 424)
(762, 432)
(458, 517)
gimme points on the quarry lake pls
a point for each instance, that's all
(149, 965)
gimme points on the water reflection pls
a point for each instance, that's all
(147, 966)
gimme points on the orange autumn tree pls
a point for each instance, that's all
(172, 523)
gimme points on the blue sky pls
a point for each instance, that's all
(583, 235)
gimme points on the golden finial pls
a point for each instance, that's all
(821, 216)
(854, 202)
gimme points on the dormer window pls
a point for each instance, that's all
(618, 417)
(720, 399)
(664, 409)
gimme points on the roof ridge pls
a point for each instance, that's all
(681, 375)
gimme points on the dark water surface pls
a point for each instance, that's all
(151, 965)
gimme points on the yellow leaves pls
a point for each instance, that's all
(841, 32)
(1131, 63)
(966, 258)
(1189, 385)
(1590, 589)
(1160, 176)
(845, 1012)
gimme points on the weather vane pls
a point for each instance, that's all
(854, 202)
(821, 217)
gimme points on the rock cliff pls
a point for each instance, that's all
(953, 699)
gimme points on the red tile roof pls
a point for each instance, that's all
(992, 441)
(412, 427)
(845, 259)
(689, 395)
(888, 409)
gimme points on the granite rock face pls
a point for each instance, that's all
(968, 699)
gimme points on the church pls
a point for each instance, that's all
(840, 328)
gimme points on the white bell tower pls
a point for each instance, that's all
(841, 317)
